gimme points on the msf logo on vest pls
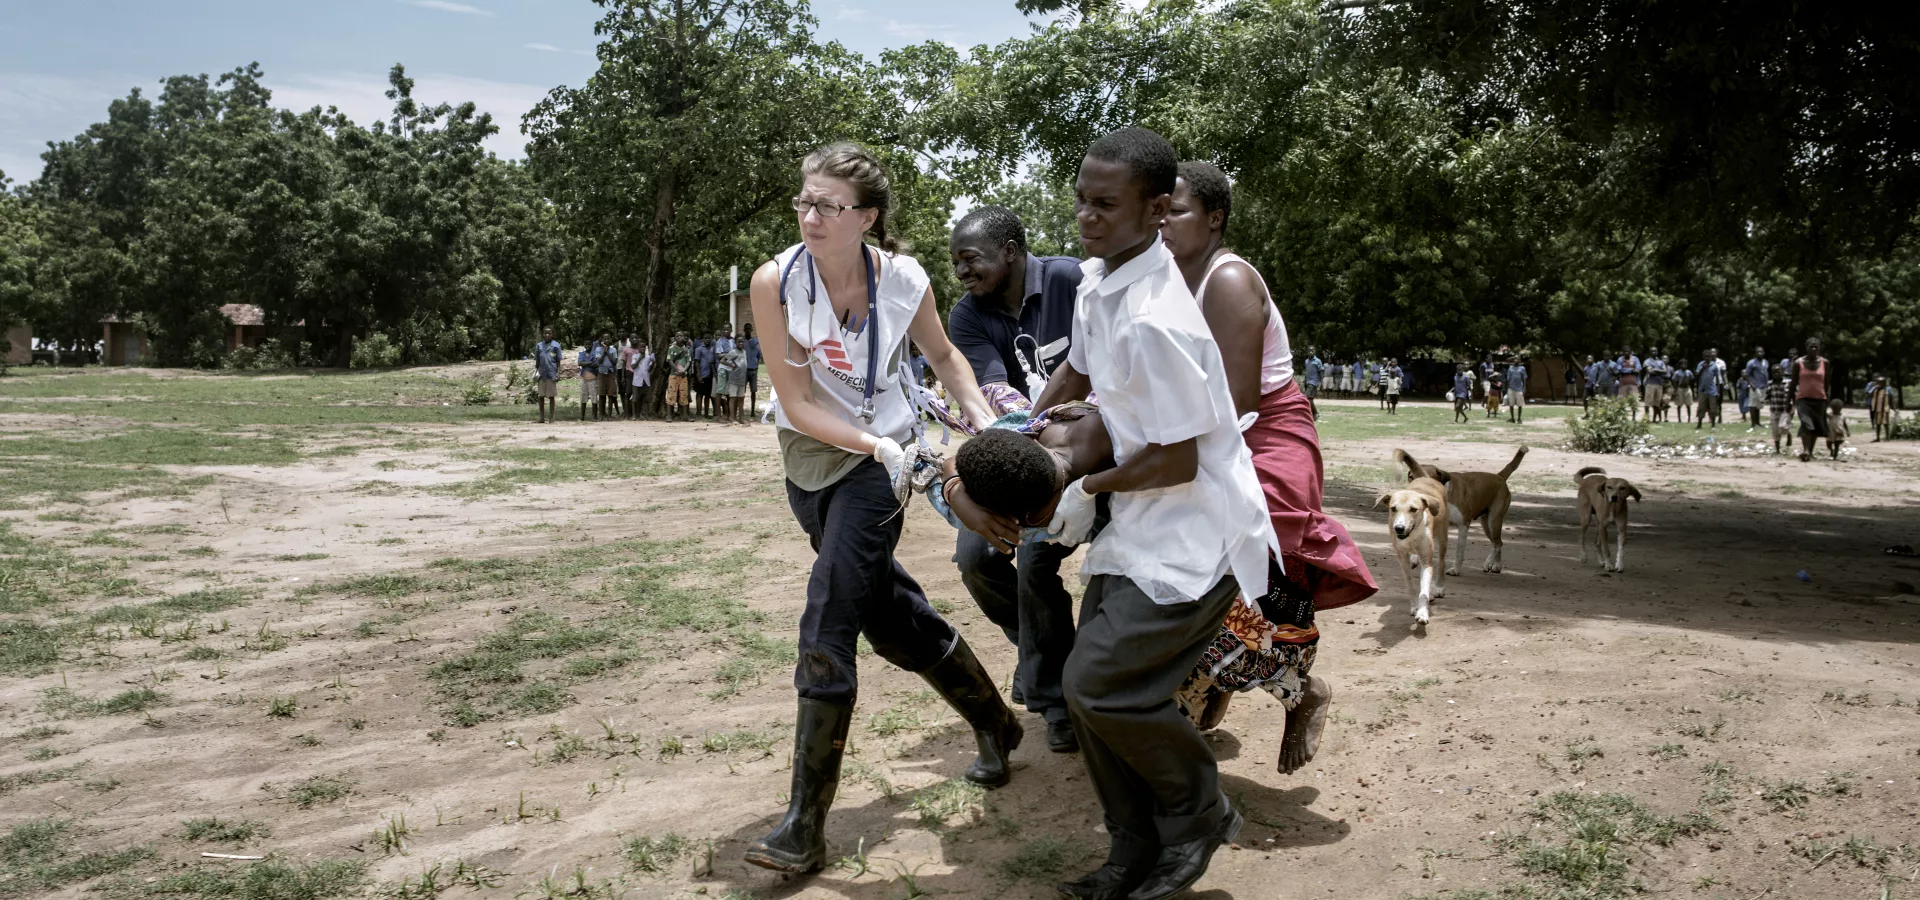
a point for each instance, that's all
(834, 354)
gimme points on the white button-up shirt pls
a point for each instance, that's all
(1139, 337)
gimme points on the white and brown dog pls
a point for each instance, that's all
(1471, 495)
(1603, 502)
(1417, 517)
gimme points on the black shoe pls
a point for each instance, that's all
(798, 845)
(960, 679)
(1109, 882)
(1060, 737)
(1181, 865)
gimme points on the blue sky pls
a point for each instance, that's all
(61, 63)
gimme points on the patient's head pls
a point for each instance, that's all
(1008, 473)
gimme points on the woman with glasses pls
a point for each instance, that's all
(843, 414)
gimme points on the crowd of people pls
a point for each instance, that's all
(1768, 394)
(713, 377)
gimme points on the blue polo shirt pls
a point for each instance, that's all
(753, 353)
(1314, 368)
(703, 356)
(986, 336)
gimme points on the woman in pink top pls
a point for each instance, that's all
(1322, 566)
(1809, 390)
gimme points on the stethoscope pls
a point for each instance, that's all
(869, 326)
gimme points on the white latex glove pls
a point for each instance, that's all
(889, 454)
(1073, 516)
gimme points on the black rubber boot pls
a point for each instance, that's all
(798, 845)
(960, 679)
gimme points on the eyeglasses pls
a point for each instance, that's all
(827, 209)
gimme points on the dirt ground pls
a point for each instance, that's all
(1754, 665)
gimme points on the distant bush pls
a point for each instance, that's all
(271, 354)
(480, 393)
(520, 387)
(375, 352)
(1608, 427)
(1906, 428)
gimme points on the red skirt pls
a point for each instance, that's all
(1286, 454)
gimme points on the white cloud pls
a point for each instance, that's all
(549, 48)
(448, 6)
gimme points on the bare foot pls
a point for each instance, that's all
(1304, 724)
(1216, 710)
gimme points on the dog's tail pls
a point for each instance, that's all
(1407, 461)
(1518, 455)
(1590, 470)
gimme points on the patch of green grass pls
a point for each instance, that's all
(18, 780)
(1587, 845)
(39, 856)
(36, 733)
(527, 466)
(738, 742)
(62, 701)
(1668, 751)
(201, 552)
(1785, 795)
(282, 707)
(27, 648)
(937, 803)
(42, 754)
(653, 854)
(318, 789)
(894, 720)
(488, 680)
(1581, 750)
(269, 879)
(1039, 860)
(172, 609)
(300, 557)
(225, 831)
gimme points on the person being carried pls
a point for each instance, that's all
(1020, 468)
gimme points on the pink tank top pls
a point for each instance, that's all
(1813, 382)
(1276, 357)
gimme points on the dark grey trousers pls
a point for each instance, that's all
(1156, 777)
(1032, 607)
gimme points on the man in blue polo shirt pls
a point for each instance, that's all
(1014, 325)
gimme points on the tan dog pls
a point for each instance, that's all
(1603, 501)
(1470, 496)
(1416, 515)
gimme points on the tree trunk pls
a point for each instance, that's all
(659, 287)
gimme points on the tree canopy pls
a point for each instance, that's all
(1439, 178)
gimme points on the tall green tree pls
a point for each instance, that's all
(690, 130)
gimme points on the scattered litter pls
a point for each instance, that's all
(229, 856)
(1900, 550)
(1803, 575)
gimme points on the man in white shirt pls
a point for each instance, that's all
(1189, 530)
